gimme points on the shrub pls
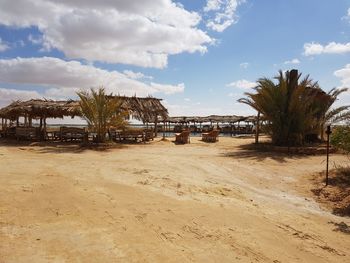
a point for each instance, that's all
(340, 138)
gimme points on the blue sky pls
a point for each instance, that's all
(199, 56)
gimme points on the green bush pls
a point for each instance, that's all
(340, 138)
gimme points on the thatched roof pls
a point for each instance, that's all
(37, 108)
(211, 118)
(144, 109)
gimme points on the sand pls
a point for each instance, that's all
(162, 202)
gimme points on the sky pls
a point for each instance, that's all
(199, 56)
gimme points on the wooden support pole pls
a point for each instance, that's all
(155, 127)
(257, 128)
(44, 129)
(41, 128)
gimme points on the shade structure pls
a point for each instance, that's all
(41, 108)
(211, 118)
(146, 109)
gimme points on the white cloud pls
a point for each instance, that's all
(167, 89)
(331, 48)
(293, 61)
(136, 75)
(9, 95)
(62, 79)
(142, 33)
(244, 65)
(3, 46)
(187, 99)
(222, 13)
(242, 84)
(344, 75)
(35, 40)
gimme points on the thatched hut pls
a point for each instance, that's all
(147, 109)
(229, 120)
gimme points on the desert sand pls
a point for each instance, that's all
(161, 202)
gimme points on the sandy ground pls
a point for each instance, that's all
(162, 202)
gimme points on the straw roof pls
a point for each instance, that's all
(37, 108)
(145, 109)
(211, 118)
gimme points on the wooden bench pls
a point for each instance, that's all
(26, 133)
(182, 137)
(131, 135)
(210, 136)
(72, 133)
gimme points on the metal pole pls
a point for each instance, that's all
(328, 133)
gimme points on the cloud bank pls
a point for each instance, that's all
(61, 79)
(344, 75)
(142, 33)
(311, 49)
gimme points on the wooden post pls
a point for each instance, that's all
(163, 129)
(257, 128)
(44, 129)
(155, 127)
(17, 122)
(41, 128)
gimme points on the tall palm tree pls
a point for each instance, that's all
(288, 107)
(101, 111)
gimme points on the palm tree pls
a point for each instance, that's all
(288, 107)
(101, 111)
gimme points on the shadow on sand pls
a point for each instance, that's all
(261, 152)
(59, 147)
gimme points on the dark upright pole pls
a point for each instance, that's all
(257, 128)
(328, 133)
